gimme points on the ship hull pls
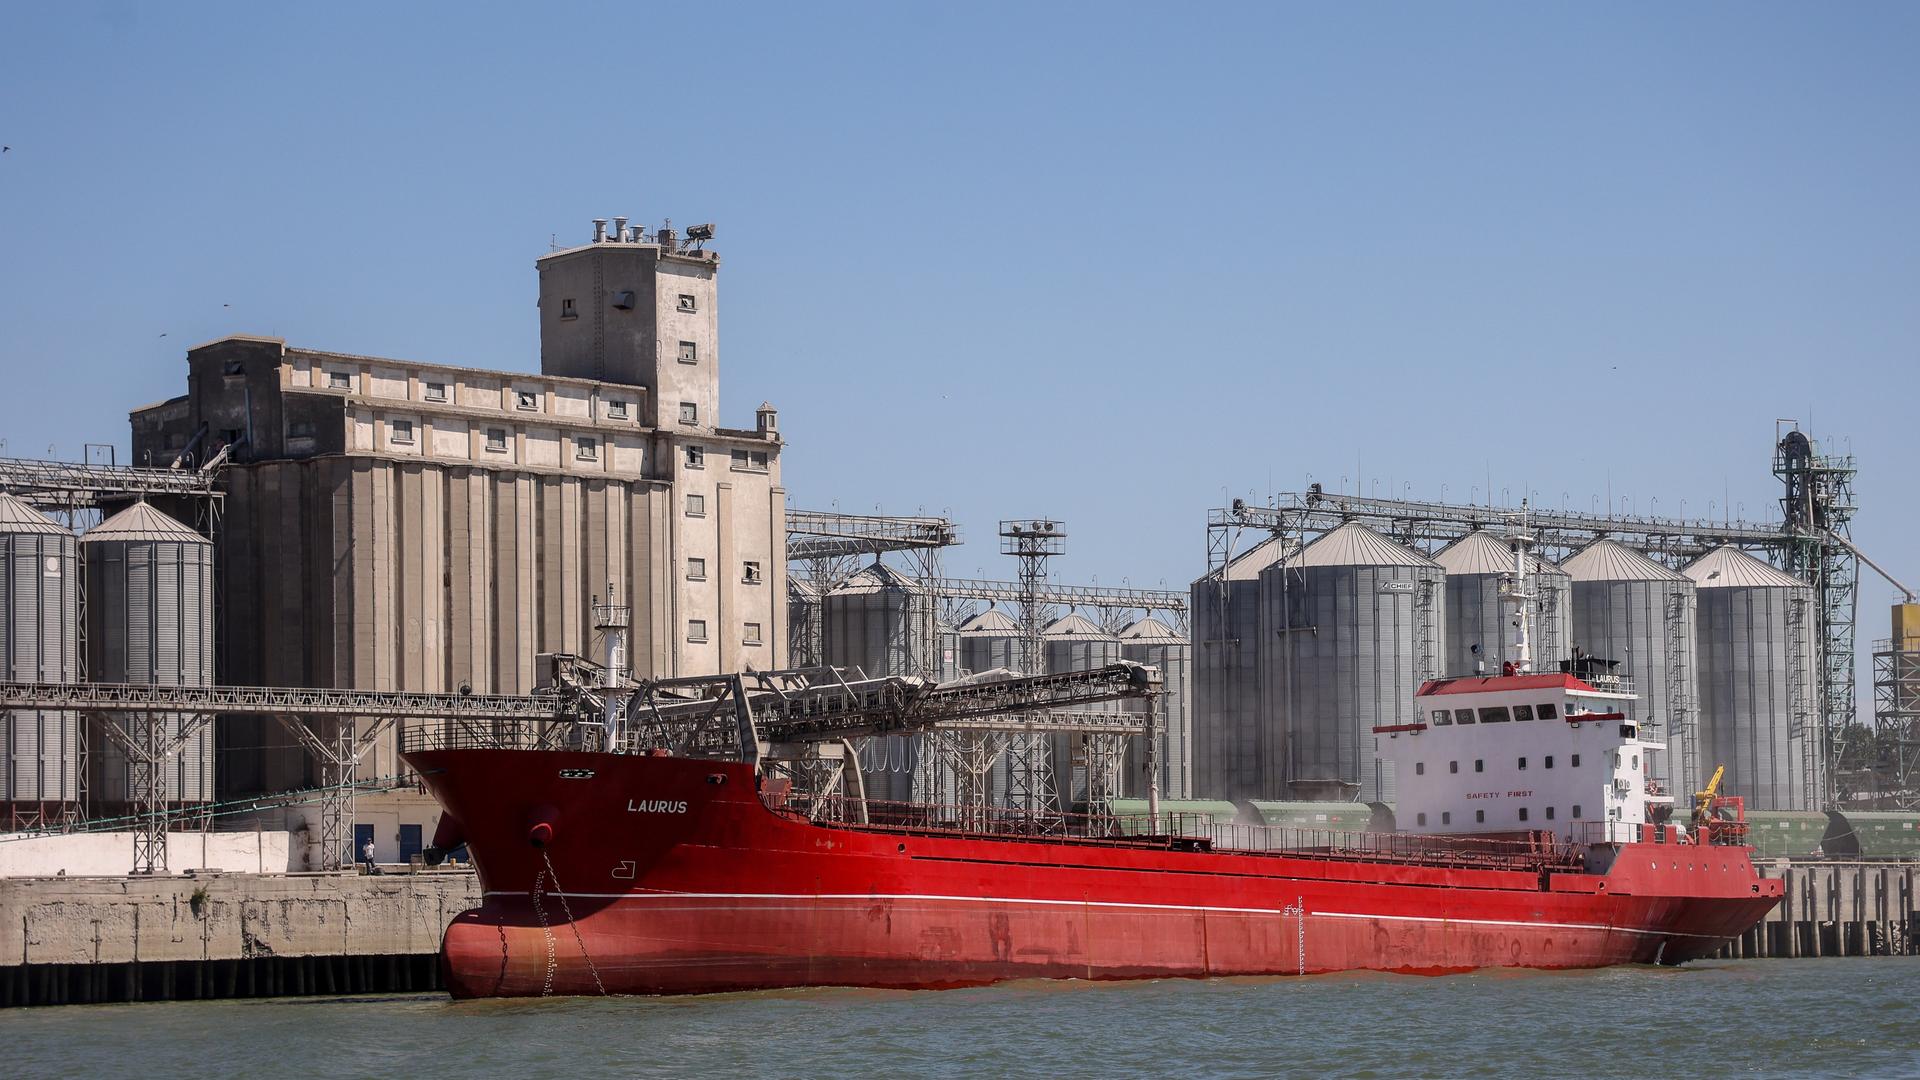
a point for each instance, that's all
(669, 876)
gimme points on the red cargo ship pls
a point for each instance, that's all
(1531, 834)
(653, 874)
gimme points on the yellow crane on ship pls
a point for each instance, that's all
(1703, 799)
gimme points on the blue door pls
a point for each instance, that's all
(362, 836)
(410, 844)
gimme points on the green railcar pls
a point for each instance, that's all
(1176, 815)
(1787, 834)
(1872, 834)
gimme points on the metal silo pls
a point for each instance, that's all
(873, 622)
(150, 622)
(1476, 631)
(1629, 608)
(987, 641)
(803, 622)
(1757, 670)
(1351, 627)
(1231, 722)
(1156, 644)
(39, 642)
(1076, 643)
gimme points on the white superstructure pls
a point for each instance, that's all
(1525, 752)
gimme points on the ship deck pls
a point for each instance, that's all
(1537, 851)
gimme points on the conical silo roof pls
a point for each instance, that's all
(877, 578)
(990, 623)
(1353, 544)
(17, 517)
(1480, 552)
(1727, 567)
(1073, 626)
(801, 589)
(1610, 560)
(141, 522)
(1149, 630)
(1247, 565)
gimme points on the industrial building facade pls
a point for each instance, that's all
(399, 525)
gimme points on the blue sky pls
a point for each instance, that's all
(1106, 262)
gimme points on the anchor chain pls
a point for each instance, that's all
(540, 912)
(567, 910)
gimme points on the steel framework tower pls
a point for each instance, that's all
(1818, 505)
(1896, 708)
(1030, 779)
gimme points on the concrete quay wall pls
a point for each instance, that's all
(225, 935)
(1837, 909)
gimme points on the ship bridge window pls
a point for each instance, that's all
(1453, 766)
(1523, 764)
(1522, 712)
(1576, 761)
(1576, 810)
(1549, 813)
(1419, 768)
(1423, 819)
(1446, 817)
(1463, 716)
(1479, 765)
(1441, 718)
(1494, 714)
(1546, 711)
(1523, 813)
(1480, 815)
(1549, 761)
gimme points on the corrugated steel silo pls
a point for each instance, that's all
(873, 622)
(1076, 643)
(1351, 626)
(1757, 670)
(803, 623)
(39, 642)
(150, 622)
(1154, 643)
(1230, 720)
(1476, 565)
(987, 641)
(1629, 608)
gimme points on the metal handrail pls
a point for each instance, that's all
(1181, 831)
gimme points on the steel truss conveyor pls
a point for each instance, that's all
(723, 713)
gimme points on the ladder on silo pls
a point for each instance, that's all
(1682, 765)
(1425, 653)
(1800, 727)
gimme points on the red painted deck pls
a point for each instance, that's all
(679, 880)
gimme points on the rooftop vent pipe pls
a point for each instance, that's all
(619, 229)
(599, 229)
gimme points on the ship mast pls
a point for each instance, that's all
(612, 620)
(1516, 592)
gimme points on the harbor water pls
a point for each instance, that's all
(1828, 1017)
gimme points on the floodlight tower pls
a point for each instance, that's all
(1031, 541)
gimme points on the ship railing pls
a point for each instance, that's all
(481, 733)
(1530, 851)
(1718, 832)
(1182, 831)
